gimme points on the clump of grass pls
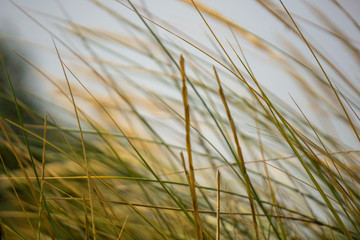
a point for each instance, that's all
(113, 170)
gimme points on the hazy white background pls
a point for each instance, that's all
(37, 45)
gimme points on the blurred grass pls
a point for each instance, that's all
(115, 169)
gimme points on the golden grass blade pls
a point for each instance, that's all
(199, 231)
(125, 163)
(240, 155)
(123, 227)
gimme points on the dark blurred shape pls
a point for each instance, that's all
(18, 73)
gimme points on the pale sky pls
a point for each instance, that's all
(16, 26)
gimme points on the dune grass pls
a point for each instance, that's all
(256, 166)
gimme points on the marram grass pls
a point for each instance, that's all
(170, 138)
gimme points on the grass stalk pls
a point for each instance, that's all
(191, 178)
(240, 158)
(106, 160)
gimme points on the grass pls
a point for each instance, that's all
(256, 166)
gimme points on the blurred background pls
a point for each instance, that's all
(19, 34)
(109, 50)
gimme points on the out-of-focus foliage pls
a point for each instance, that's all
(116, 172)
